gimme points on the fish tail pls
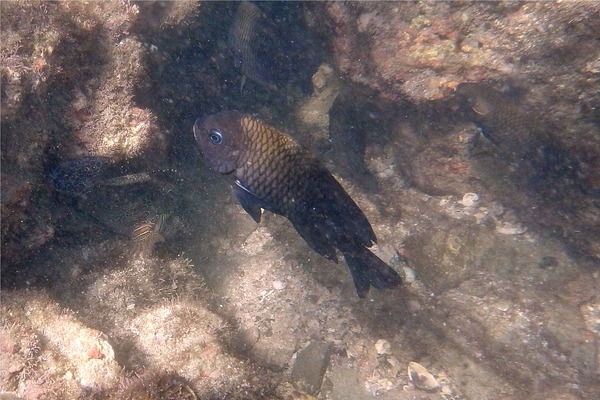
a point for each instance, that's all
(369, 270)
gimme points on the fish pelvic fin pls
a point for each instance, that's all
(369, 270)
(251, 203)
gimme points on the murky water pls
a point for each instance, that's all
(467, 133)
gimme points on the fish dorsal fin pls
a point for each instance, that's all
(251, 203)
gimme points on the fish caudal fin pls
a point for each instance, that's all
(369, 270)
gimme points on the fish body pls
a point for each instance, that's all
(272, 47)
(146, 234)
(78, 176)
(519, 138)
(149, 227)
(272, 171)
(241, 39)
(249, 39)
(502, 122)
(128, 179)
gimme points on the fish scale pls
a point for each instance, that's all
(271, 153)
(271, 171)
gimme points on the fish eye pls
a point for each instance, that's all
(215, 136)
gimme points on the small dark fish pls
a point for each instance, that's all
(243, 43)
(162, 227)
(502, 121)
(77, 177)
(519, 138)
(273, 172)
(272, 47)
(148, 228)
(149, 232)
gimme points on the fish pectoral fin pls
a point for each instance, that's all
(249, 201)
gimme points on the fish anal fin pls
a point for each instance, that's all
(316, 239)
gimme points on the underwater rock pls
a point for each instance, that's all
(382, 346)
(310, 366)
(469, 199)
(533, 337)
(508, 228)
(315, 110)
(423, 50)
(286, 391)
(360, 128)
(153, 385)
(197, 331)
(68, 345)
(528, 146)
(76, 81)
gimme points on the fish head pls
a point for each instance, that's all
(221, 140)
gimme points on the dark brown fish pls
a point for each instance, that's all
(273, 172)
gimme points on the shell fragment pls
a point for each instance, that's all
(421, 378)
